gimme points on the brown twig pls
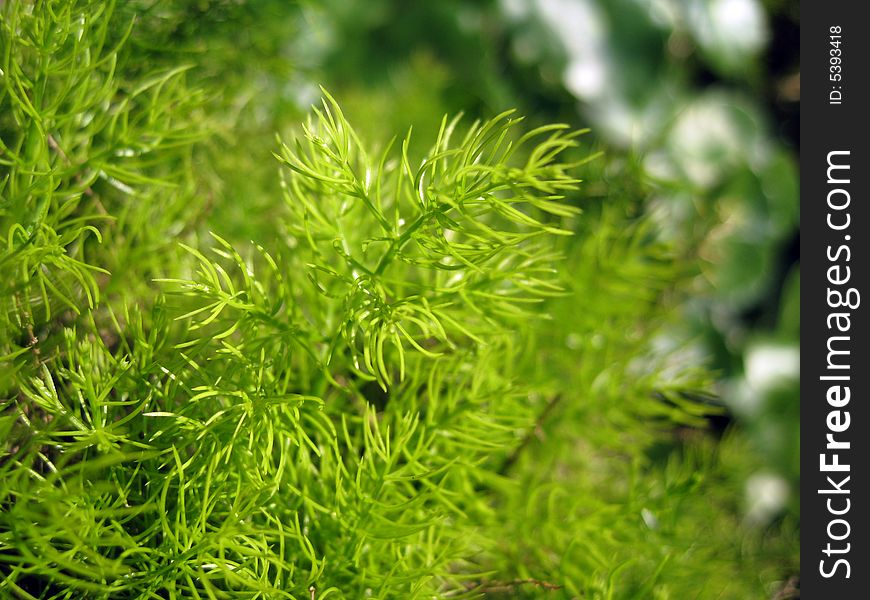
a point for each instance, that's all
(536, 433)
(509, 586)
(790, 590)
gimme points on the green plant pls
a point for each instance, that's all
(418, 383)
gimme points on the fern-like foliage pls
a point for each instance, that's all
(378, 402)
(387, 367)
(83, 153)
(426, 256)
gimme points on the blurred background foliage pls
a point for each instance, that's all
(695, 105)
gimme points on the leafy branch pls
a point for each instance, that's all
(425, 256)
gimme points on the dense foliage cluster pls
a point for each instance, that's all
(429, 374)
